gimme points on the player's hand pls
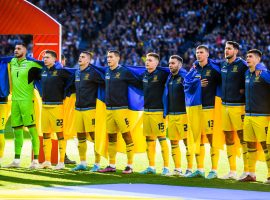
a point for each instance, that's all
(204, 82)
(242, 91)
(258, 72)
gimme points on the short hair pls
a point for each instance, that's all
(256, 52)
(116, 52)
(52, 53)
(21, 43)
(155, 55)
(234, 44)
(203, 47)
(90, 54)
(177, 58)
(63, 57)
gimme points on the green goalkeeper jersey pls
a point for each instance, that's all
(23, 74)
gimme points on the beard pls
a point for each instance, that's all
(18, 55)
(229, 57)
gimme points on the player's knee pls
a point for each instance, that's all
(251, 145)
(112, 137)
(174, 142)
(46, 135)
(150, 138)
(60, 135)
(264, 145)
(18, 127)
(240, 134)
(127, 137)
(185, 141)
(161, 138)
(81, 136)
(92, 135)
(229, 137)
(31, 126)
(210, 138)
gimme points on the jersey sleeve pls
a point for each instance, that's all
(34, 74)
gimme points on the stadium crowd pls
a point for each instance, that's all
(167, 27)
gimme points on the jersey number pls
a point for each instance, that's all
(242, 118)
(185, 127)
(161, 126)
(211, 123)
(93, 122)
(127, 122)
(59, 122)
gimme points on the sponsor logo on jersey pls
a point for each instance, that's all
(107, 76)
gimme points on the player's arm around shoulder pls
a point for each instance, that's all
(133, 79)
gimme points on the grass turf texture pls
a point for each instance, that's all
(24, 178)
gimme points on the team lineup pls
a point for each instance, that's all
(220, 102)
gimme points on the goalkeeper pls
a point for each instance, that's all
(23, 74)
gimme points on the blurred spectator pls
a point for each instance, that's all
(167, 27)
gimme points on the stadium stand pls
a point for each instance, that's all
(165, 26)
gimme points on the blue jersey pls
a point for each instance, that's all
(117, 82)
(214, 80)
(153, 88)
(233, 81)
(87, 82)
(257, 92)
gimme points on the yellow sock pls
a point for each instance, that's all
(151, 152)
(130, 153)
(267, 159)
(214, 157)
(82, 147)
(252, 154)
(176, 155)
(47, 148)
(231, 156)
(62, 149)
(200, 157)
(164, 151)
(2, 144)
(97, 155)
(112, 152)
(245, 156)
(189, 156)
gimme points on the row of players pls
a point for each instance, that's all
(245, 108)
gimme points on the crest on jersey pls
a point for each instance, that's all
(208, 72)
(54, 73)
(117, 75)
(155, 78)
(86, 77)
(178, 81)
(257, 79)
(235, 68)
